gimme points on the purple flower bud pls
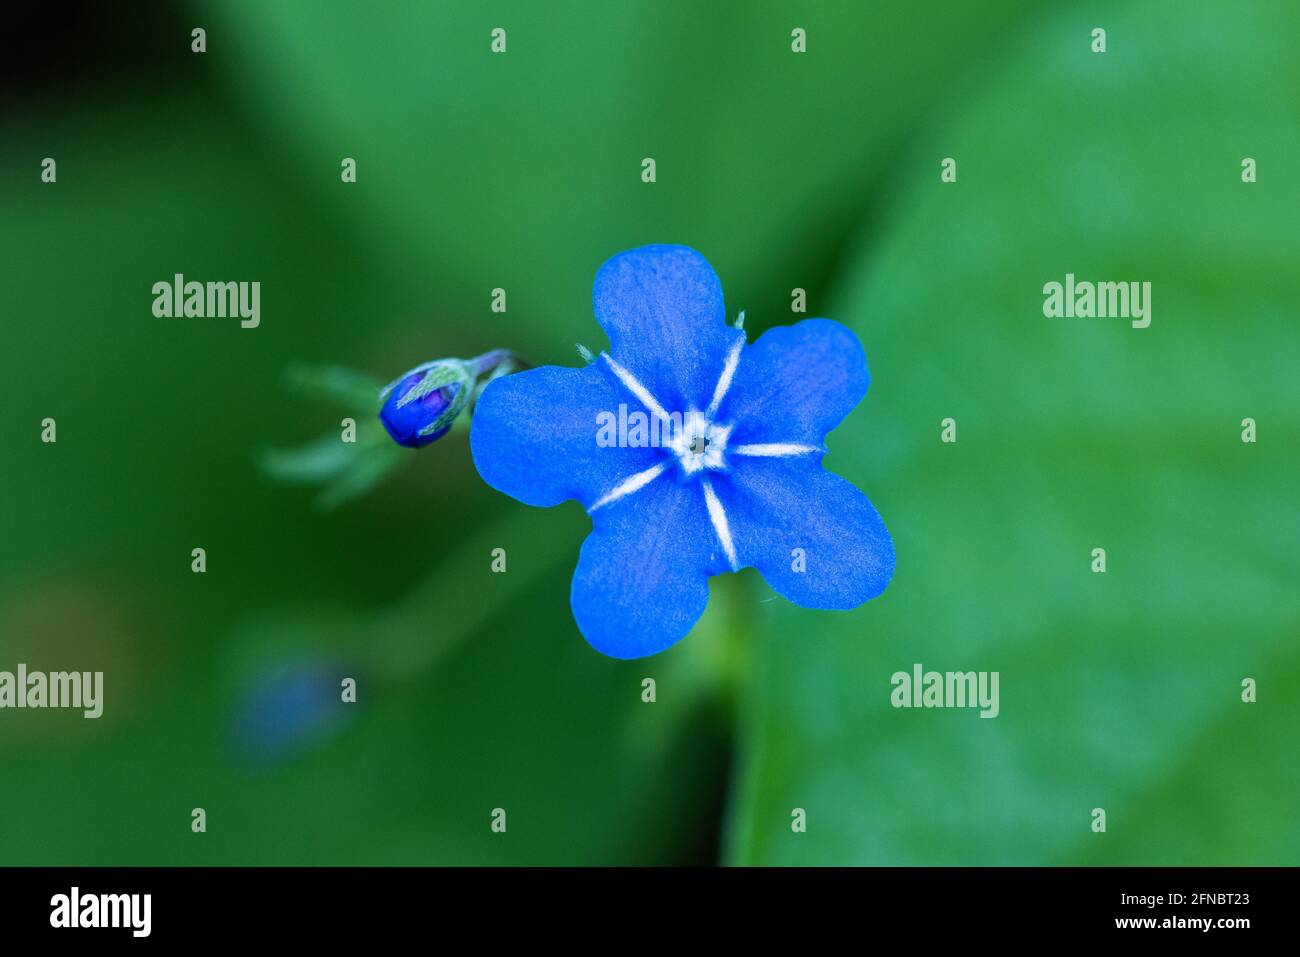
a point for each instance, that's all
(404, 420)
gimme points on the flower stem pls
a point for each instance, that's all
(494, 360)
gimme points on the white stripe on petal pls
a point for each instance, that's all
(724, 381)
(633, 483)
(719, 518)
(636, 388)
(774, 450)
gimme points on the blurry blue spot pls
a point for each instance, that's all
(289, 709)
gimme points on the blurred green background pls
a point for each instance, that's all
(522, 171)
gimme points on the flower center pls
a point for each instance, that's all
(699, 444)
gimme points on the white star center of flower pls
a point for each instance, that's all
(700, 444)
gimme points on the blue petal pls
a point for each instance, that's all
(775, 505)
(796, 383)
(642, 578)
(662, 308)
(534, 435)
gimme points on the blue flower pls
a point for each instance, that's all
(291, 706)
(408, 413)
(735, 479)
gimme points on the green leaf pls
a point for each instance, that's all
(345, 387)
(367, 469)
(310, 464)
(532, 182)
(1118, 690)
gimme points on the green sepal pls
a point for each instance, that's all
(345, 387)
(441, 374)
(458, 404)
